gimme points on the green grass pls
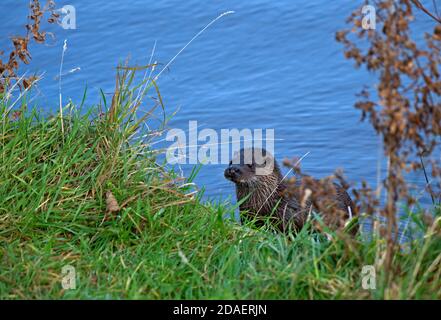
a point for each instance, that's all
(162, 243)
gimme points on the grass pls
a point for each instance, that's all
(164, 242)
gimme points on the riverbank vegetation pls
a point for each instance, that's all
(95, 198)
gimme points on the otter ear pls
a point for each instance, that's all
(266, 159)
(266, 165)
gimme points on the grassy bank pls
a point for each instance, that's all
(56, 185)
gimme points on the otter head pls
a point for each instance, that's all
(251, 165)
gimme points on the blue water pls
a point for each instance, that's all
(269, 65)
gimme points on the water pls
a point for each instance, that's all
(268, 65)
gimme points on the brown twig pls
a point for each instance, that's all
(418, 4)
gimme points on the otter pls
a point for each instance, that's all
(260, 189)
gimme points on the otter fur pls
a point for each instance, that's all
(260, 187)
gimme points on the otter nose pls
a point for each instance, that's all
(232, 171)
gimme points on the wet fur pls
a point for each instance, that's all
(285, 212)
